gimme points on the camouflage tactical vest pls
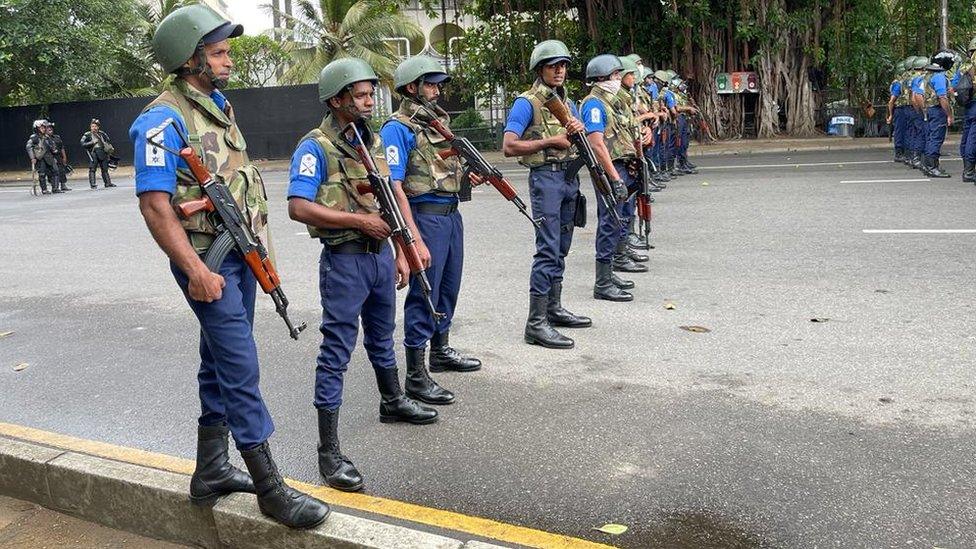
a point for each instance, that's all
(904, 98)
(215, 137)
(626, 98)
(544, 125)
(931, 98)
(345, 177)
(426, 171)
(616, 132)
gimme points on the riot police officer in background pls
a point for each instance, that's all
(40, 149)
(62, 157)
(100, 150)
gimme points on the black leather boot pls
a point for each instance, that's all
(899, 154)
(622, 262)
(91, 179)
(278, 500)
(634, 256)
(443, 357)
(214, 476)
(560, 317)
(690, 165)
(396, 406)
(969, 171)
(604, 288)
(538, 331)
(337, 470)
(686, 167)
(619, 282)
(935, 170)
(419, 385)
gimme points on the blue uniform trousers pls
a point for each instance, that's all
(655, 153)
(608, 234)
(899, 125)
(354, 287)
(667, 145)
(937, 126)
(444, 237)
(967, 145)
(554, 199)
(916, 131)
(228, 376)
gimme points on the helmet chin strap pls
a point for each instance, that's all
(203, 68)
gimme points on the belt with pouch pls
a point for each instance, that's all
(434, 208)
(357, 247)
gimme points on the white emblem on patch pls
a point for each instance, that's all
(307, 165)
(595, 115)
(154, 155)
(393, 155)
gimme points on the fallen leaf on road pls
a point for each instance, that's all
(696, 329)
(886, 400)
(819, 319)
(613, 529)
(669, 306)
(21, 366)
(704, 183)
(5, 334)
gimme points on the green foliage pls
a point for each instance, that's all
(256, 60)
(323, 30)
(470, 118)
(66, 50)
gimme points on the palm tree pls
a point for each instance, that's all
(323, 30)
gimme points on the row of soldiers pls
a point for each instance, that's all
(334, 175)
(920, 110)
(49, 159)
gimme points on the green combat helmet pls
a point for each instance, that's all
(341, 73)
(548, 52)
(661, 76)
(182, 31)
(602, 66)
(900, 67)
(629, 66)
(920, 62)
(635, 58)
(415, 68)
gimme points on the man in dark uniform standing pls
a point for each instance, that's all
(100, 150)
(40, 150)
(192, 43)
(358, 274)
(61, 156)
(534, 135)
(431, 184)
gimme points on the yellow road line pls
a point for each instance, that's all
(439, 518)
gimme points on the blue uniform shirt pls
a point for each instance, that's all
(520, 116)
(940, 84)
(917, 85)
(669, 99)
(955, 79)
(399, 141)
(594, 115)
(895, 88)
(652, 89)
(308, 169)
(155, 168)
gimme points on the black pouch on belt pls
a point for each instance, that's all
(579, 217)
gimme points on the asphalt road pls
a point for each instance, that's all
(768, 431)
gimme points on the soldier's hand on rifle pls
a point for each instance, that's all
(619, 190)
(402, 271)
(647, 138)
(574, 126)
(560, 142)
(205, 286)
(475, 179)
(423, 252)
(888, 119)
(374, 226)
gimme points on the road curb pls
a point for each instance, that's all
(153, 503)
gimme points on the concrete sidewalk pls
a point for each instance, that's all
(79, 179)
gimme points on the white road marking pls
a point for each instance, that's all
(806, 164)
(919, 231)
(884, 180)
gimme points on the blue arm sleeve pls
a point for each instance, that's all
(399, 141)
(895, 89)
(519, 117)
(155, 168)
(940, 84)
(594, 116)
(955, 79)
(669, 99)
(308, 169)
(917, 85)
(574, 111)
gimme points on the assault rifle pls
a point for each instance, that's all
(382, 190)
(233, 230)
(601, 181)
(462, 147)
(644, 174)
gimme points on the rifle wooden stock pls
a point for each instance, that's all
(193, 207)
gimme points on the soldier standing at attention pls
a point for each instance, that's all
(431, 184)
(99, 149)
(934, 90)
(534, 135)
(40, 150)
(967, 143)
(625, 258)
(608, 131)
(358, 274)
(61, 156)
(916, 118)
(898, 105)
(192, 43)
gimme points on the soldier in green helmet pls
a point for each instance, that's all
(898, 107)
(539, 140)
(192, 44)
(432, 185)
(627, 259)
(962, 83)
(358, 274)
(916, 117)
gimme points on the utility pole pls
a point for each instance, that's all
(944, 23)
